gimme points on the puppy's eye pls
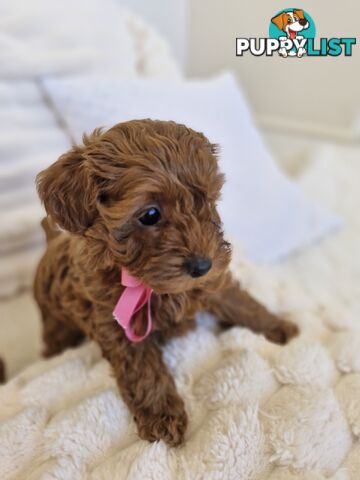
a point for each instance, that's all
(289, 20)
(150, 217)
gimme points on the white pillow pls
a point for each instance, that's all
(261, 208)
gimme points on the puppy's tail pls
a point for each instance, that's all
(2, 371)
(50, 229)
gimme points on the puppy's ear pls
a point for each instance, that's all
(280, 20)
(299, 13)
(68, 192)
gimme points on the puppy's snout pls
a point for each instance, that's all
(303, 22)
(198, 266)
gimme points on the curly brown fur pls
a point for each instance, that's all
(96, 193)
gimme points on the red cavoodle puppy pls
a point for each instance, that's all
(140, 197)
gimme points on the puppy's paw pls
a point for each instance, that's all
(281, 332)
(169, 426)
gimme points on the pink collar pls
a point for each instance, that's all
(132, 299)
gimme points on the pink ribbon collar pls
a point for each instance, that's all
(132, 299)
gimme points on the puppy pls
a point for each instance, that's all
(291, 23)
(140, 198)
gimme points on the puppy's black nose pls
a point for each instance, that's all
(198, 266)
(303, 21)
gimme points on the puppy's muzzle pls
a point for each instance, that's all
(198, 266)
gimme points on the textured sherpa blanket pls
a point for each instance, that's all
(257, 411)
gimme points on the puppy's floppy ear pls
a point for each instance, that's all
(280, 20)
(68, 191)
(299, 13)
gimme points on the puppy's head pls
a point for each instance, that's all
(144, 195)
(291, 22)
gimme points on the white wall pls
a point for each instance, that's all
(316, 94)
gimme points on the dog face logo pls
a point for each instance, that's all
(291, 22)
(292, 26)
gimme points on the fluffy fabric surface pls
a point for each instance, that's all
(257, 411)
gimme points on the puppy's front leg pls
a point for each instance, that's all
(145, 384)
(234, 306)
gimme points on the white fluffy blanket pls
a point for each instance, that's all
(257, 411)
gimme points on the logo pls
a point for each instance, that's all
(292, 27)
(292, 33)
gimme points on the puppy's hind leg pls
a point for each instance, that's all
(59, 335)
